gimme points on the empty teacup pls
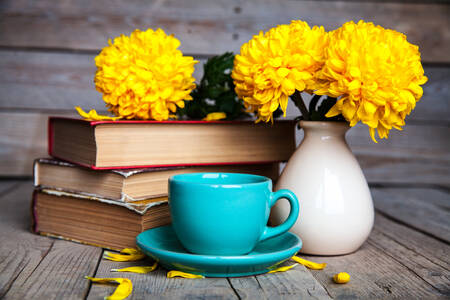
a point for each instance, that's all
(225, 213)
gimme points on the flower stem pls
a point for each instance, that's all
(298, 100)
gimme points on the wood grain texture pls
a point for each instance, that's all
(37, 267)
(7, 185)
(420, 154)
(59, 275)
(297, 283)
(421, 141)
(20, 251)
(209, 27)
(418, 242)
(51, 81)
(24, 138)
(380, 169)
(374, 275)
(155, 285)
(388, 266)
(426, 210)
(424, 266)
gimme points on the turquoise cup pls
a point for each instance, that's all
(225, 213)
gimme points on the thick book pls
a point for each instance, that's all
(127, 185)
(134, 144)
(94, 221)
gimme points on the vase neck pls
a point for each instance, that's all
(324, 130)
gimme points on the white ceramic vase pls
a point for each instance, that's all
(336, 209)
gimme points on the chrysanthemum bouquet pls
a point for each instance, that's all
(368, 73)
(359, 72)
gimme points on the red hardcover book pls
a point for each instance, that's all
(138, 144)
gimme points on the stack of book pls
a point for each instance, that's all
(107, 180)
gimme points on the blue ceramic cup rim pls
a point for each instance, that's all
(237, 179)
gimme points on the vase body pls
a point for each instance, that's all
(336, 208)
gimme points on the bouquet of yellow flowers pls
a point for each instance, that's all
(367, 73)
(370, 74)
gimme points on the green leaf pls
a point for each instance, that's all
(216, 84)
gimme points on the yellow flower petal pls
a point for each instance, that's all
(342, 277)
(172, 274)
(283, 269)
(94, 116)
(372, 134)
(309, 264)
(282, 72)
(122, 291)
(127, 254)
(334, 111)
(215, 116)
(130, 251)
(138, 269)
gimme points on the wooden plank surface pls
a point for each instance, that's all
(24, 138)
(418, 242)
(388, 267)
(297, 283)
(52, 81)
(426, 210)
(155, 285)
(209, 27)
(426, 267)
(397, 261)
(36, 267)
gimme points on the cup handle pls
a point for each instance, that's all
(290, 221)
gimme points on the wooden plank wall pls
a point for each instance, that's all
(47, 52)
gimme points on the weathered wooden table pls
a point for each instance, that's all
(407, 256)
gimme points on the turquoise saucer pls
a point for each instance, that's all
(162, 245)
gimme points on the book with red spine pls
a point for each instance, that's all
(143, 144)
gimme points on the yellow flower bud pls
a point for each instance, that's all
(342, 277)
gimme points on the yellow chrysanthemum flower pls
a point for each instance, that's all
(376, 72)
(272, 65)
(144, 76)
